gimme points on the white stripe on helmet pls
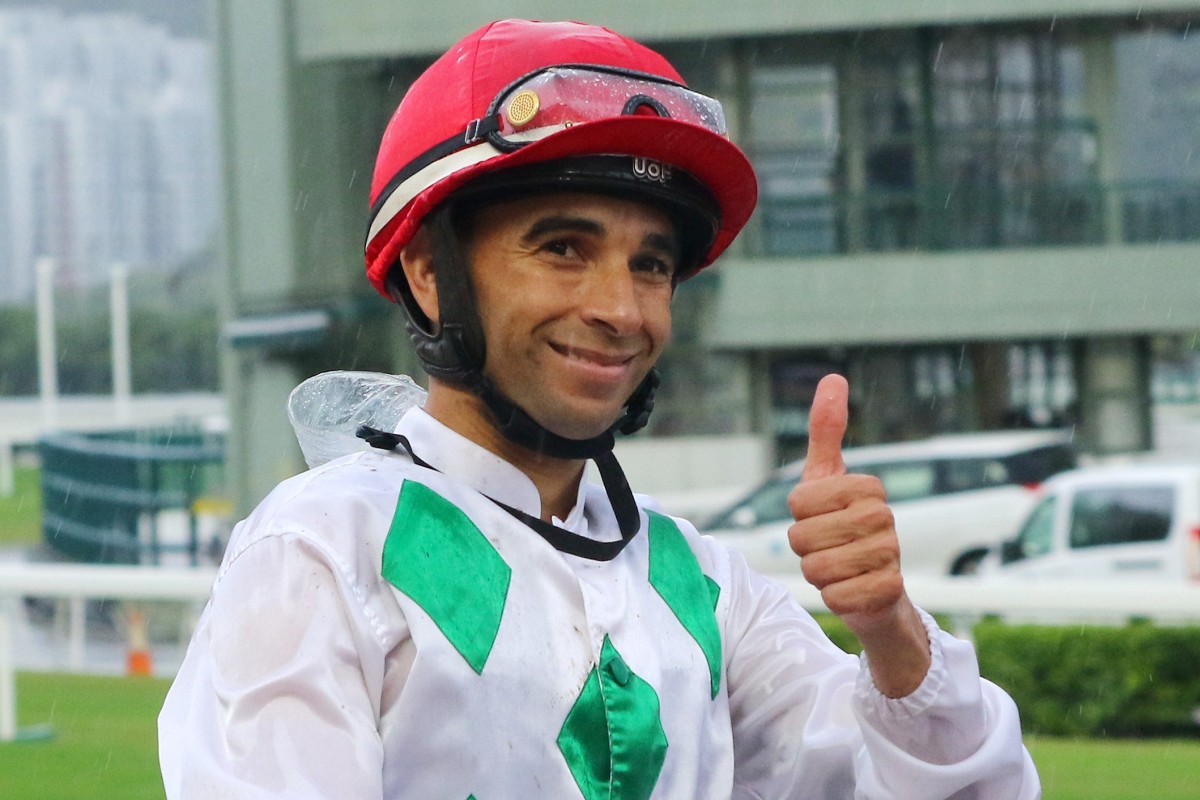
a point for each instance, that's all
(442, 169)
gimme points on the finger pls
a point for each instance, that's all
(865, 518)
(858, 599)
(877, 552)
(826, 429)
(809, 499)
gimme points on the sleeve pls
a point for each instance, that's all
(808, 722)
(273, 698)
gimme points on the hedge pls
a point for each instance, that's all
(1082, 680)
(1088, 680)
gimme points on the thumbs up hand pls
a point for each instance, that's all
(846, 538)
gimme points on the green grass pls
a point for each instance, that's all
(1097, 769)
(104, 745)
(21, 512)
(104, 739)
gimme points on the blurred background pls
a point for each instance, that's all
(986, 217)
(986, 214)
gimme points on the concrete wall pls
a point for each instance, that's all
(920, 296)
(368, 28)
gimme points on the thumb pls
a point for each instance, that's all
(826, 428)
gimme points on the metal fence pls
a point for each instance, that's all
(972, 217)
(133, 497)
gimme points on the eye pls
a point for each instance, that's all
(654, 265)
(563, 248)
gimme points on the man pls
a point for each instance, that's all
(458, 613)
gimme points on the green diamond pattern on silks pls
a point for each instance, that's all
(613, 738)
(439, 558)
(689, 593)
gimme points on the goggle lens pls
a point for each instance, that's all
(559, 97)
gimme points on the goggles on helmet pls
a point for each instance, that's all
(543, 102)
(554, 98)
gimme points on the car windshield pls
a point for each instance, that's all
(1035, 537)
(903, 480)
(766, 504)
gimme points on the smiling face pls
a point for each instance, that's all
(574, 294)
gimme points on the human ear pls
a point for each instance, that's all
(416, 259)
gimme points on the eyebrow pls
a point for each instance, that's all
(562, 223)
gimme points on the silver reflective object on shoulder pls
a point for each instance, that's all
(326, 410)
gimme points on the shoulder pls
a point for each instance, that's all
(340, 508)
(338, 487)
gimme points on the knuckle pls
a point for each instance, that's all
(874, 515)
(889, 586)
(884, 555)
(811, 567)
(869, 485)
(796, 500)
(797, 534)
(835, 600)
(892, 548)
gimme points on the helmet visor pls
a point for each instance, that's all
(558, 97)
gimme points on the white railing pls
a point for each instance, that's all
(968, 599)
(77, 583)
(963, 600)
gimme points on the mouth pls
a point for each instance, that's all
(603, 364)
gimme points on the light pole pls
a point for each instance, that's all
(47, 344)
(119, 305)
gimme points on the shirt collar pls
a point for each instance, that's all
(459, 458)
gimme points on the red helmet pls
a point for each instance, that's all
(520, 94)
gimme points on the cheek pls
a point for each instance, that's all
(505, 333)
(657, 314)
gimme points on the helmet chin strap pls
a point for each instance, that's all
(517, 426)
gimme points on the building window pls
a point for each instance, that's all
(1041, 385)
(949, 139)
(1157, 150)
(793, 141)
(1014, 159)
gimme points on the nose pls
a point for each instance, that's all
(610, 298)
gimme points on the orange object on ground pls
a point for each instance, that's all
(138, 660)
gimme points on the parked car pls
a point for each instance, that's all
(1138, 521)
(954, 498)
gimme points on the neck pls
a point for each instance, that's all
(556, 479)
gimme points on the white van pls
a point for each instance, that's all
(954, 497)
(1139, 521)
